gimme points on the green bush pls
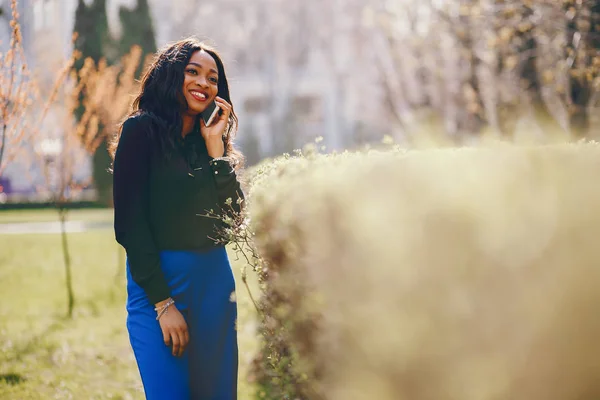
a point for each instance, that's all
(441, 274)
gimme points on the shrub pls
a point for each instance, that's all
(441, 274)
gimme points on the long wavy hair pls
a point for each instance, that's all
(161, 97)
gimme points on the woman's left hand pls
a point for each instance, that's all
(213, 134)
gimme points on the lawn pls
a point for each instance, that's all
(48, 215)
(43, 355)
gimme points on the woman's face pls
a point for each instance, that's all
(200, 84)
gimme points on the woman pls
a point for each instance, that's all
(169, 170)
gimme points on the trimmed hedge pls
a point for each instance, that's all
(468, 274)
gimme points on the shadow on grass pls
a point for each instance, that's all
(11, 379)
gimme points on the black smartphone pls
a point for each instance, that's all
(210, 113)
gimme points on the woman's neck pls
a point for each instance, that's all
(188, 124)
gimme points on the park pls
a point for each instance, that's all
(420, 216)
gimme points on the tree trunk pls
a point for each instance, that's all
(583, 45)
(471, 92)
(2, 143)
(62, 214)
(529, 74)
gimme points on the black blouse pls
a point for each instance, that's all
(160, 202)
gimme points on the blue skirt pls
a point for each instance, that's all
(203, 287)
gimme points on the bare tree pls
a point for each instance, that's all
(55, 155)
(15, 92)
(491, 63)
(582, 55)
(65, 143)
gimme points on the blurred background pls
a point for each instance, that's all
(350, 71)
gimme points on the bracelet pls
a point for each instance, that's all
(224, 158)
(164, 309)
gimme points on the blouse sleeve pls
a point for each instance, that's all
(131, 206)
(228, 186)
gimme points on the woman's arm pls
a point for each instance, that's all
(130, 195)
(228, 186)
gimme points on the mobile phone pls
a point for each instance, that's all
(210, 113)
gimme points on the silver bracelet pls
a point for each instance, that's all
(224, 158)
(164, 309)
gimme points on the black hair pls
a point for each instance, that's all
(161, 96)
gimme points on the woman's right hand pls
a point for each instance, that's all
(174, 330)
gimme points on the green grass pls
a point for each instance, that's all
(43, 355)
(49, 215)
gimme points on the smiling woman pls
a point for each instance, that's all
(201, 81)
(169, 169)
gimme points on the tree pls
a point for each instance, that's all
(527, 46)
(93, 42)
(91, 27)
(60, 156)
(16, 90)
(514, 60)
(137, 30)
(583, 60)
(25, 107)
(102, 93)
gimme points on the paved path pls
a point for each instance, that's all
(22, 228)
